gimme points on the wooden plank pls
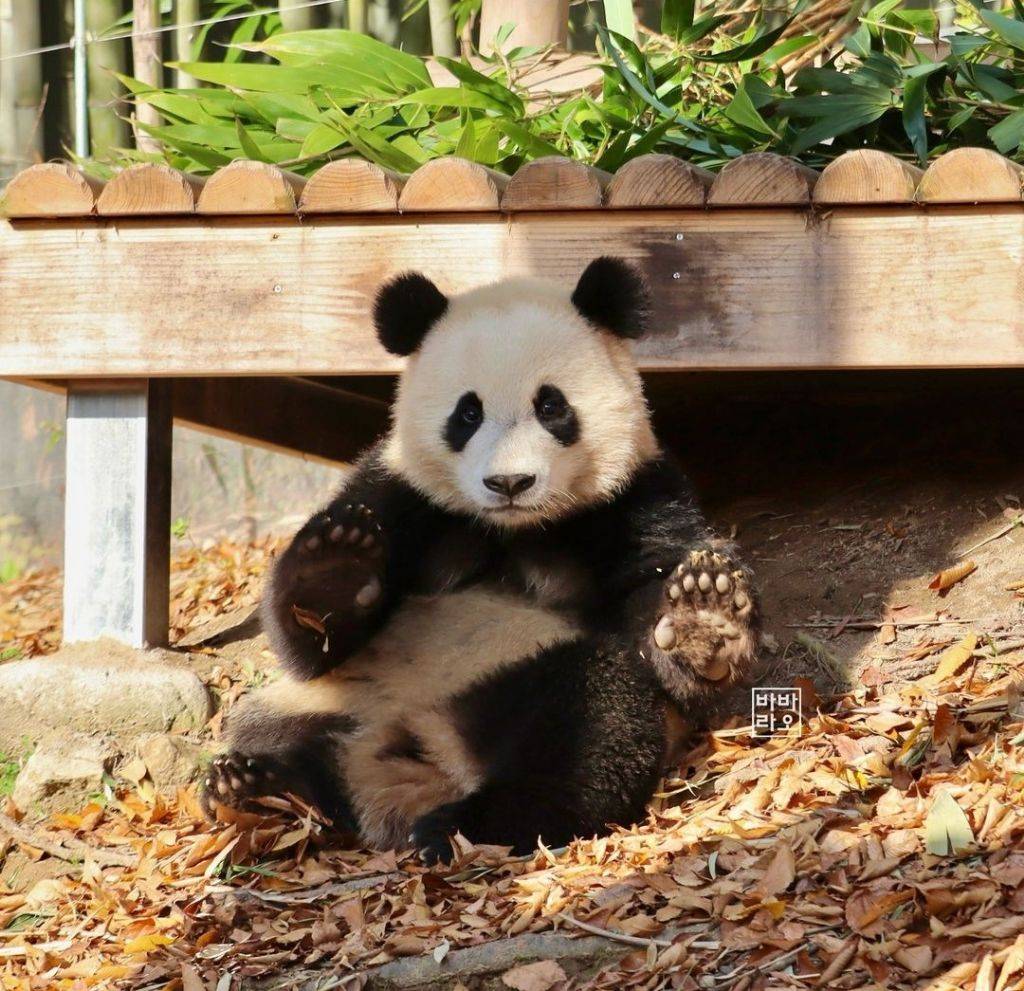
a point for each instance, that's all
(293, 415)
(149, 189)
(538, 23)
(52, 189)
(352, 185)
(864, 287)
(555, 183)
(245, 187)
(118, 512)
(971, 175)
(658, 181)
(867, 176)
(452, 184)
(763, 179)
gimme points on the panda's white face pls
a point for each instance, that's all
(517, 410)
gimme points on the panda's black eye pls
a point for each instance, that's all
(556, 415)
(464, 421)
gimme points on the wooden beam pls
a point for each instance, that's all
(555, 184)
(861, 287)
(658, 181)
(52, 189)
(118, 512)
(293, 415)
(763, 179)
(971, 175)
(245, 187)
(149, 189)
(352, 185)
(447, 184)
(867, 176)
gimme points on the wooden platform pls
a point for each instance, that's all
(259, 273)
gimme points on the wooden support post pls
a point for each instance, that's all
(117, 516)
(538, 23)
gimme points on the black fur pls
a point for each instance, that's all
(556, 415)
(405, 309)
(612, 294)
(464, 421)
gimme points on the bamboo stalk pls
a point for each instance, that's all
(147, 66)
(357, 10)
(107, 130)
(185, 12)
(21, 88)
(296, 15)
(442, 28)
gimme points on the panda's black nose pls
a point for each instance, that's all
(509, 485)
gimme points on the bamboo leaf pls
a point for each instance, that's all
(677, 17)
(947, 829)
(619, 17)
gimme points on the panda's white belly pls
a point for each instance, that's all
(398, 689)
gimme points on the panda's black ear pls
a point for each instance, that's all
(405, 309)
(613, 295)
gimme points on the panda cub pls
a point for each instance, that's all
(495, 626)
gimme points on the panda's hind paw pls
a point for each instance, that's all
(707, 631)
(234, 779)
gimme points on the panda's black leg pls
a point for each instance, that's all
(272, 753)
(706, 628)
(327, 591)
(572, 741)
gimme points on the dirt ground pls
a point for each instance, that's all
(848, 494)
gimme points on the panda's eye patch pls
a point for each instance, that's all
(556, 415)
(463, 421)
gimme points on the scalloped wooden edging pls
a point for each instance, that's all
(658, 180)
(452, 185)
(51, 189)
(971, 175)
(555, 183)
(149, 189)
(352, 185)
(867, 176)
(763, 178)
(246, 187)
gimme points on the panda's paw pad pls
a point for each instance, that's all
(235, 779)
(709, 617)
(339, 556)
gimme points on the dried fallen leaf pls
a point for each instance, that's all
(780, 874)
(539, 976)
(953, 659)
(309, 619)
(947, 830)
(946, 579)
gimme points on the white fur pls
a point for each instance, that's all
(503, 342)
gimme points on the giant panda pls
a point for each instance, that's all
(513, 602)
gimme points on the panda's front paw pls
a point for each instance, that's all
(333, 576)
(706, 635)
(431, 834)
(234, 780)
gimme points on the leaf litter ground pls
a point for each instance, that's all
(880, 846)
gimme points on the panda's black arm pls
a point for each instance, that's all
(346, 570)
(672, 587)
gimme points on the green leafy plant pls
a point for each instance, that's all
(708, 87)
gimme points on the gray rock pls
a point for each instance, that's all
(63, 771)
(99, 687)
(171, 760)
